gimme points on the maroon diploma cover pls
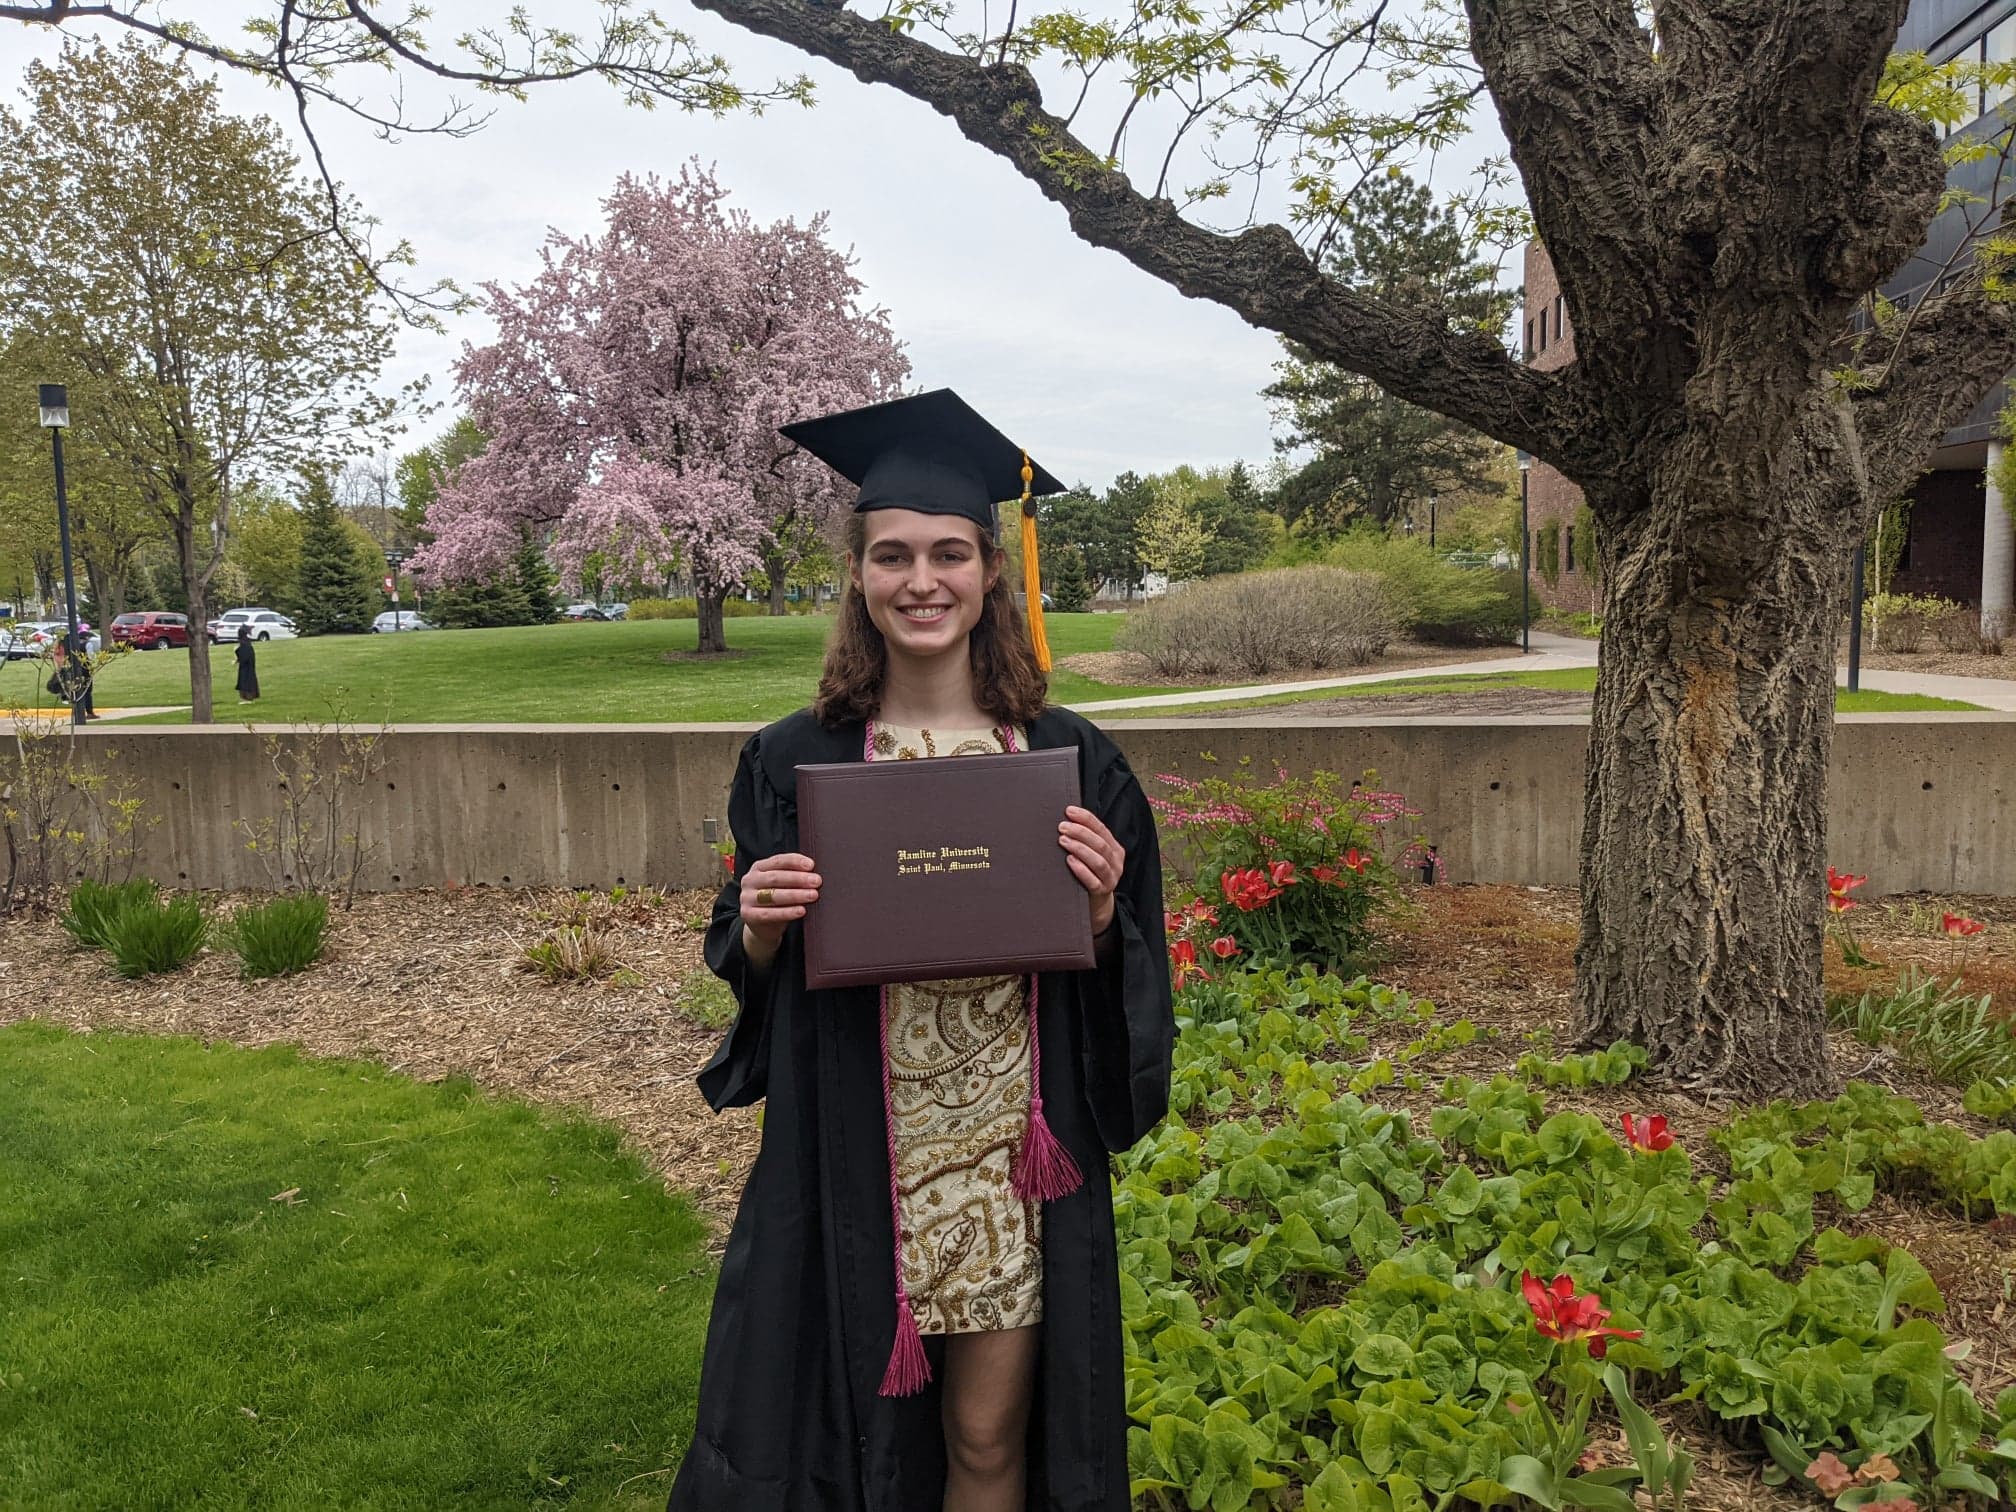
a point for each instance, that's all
(941, 867)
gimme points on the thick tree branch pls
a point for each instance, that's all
(1958, 346)
(1261, 273)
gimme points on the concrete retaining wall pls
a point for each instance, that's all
(1920, 801)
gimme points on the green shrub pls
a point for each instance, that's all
(1257, 624)
(93, 906)
(1433, 598)
(281, 937)
(149, 935)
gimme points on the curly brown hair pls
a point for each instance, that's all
(1007, 684)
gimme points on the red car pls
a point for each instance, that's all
(151, 631)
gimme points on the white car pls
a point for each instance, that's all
(35, 637)
(390, 623)
(266, 625)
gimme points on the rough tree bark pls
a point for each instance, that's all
(707, 608)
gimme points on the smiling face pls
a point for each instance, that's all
(924, 578)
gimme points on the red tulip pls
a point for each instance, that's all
(1171, 922)
(1224, 947)
(1839, 885)
(1281, 873)
(729, 861)
(1323, 873)
(1647, 1138)
(1248, 888)
(1203, 912)
(1960, 924)
(1559, 1314)
(1183, 957)
(1356, 862)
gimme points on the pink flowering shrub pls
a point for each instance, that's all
(1292, 871)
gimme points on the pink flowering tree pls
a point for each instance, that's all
(634, 391)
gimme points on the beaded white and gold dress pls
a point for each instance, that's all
(972, 1250)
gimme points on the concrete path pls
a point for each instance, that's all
(9, 716)
(1552, 653)
(1983, 692)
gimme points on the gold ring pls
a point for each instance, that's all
(763, 898)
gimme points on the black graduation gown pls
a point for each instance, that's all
(248, 671)
(790, 1419)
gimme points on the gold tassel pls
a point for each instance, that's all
(1032, 573)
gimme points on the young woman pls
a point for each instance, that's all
(893, 1202)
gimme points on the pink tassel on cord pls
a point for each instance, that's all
(908, 1370)
(1044, 1169)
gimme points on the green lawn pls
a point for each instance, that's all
(1570, 679)
(467, 1302)
(543, 674)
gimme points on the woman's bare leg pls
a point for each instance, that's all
(989, 1378)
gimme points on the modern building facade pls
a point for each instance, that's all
(1960, 543)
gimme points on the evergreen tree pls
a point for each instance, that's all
(1070, 589)
(536, 583)
(337, 596)
(1377, 455)
(481, 605)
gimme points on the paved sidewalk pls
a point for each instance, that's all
(1983, 692)
(1550, 653)
(61, 712)
(1553, 653)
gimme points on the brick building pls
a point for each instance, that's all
(1960, 543)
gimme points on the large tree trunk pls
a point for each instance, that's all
(1704, 850)
(712, 636)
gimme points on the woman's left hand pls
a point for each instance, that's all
(1096, 860)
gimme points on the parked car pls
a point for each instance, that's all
(151, 630)
(266, 625)
(616, 611)
(39, 635)
(14, 645)
(391, 622)
(583, 612)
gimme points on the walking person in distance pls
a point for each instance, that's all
(248, 666)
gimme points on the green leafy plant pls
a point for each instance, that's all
(279, 937)
(150, 935)
(706, 999)
(1599, 1068)
(1319, 1302)
(1934, 1024)
(571, 953)
(93, 905)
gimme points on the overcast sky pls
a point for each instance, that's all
(1095, 366)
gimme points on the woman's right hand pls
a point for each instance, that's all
(775, 891)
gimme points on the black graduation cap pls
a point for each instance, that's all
(930, 452)
(934, 454)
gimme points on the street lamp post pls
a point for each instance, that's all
(1855, 627)
(392, 560)
(1525, 558)
(55, 403)
(1432, 499)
